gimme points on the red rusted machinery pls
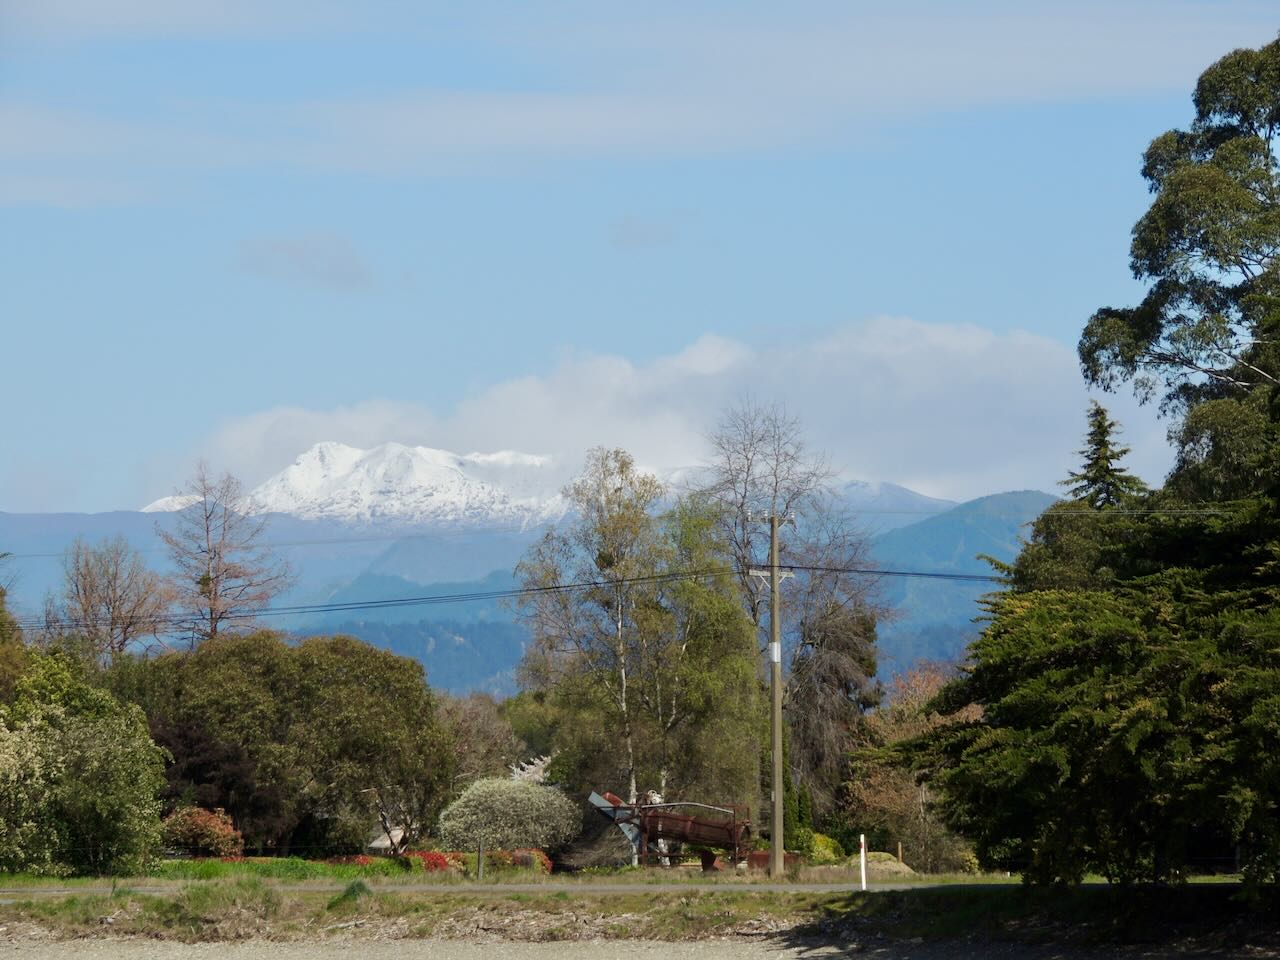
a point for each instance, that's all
(648, 825)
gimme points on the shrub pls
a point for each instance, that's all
(526, 858)
(800, 840)
(202, 833)
(533, 858)
(355, 891)
(351, 860)
(825, 849)
(434, 861)
(509, 815)
(79, 777)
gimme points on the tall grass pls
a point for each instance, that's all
(276, 868)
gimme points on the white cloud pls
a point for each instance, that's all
(953, 411)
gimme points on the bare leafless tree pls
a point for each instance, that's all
(109, 597)
(223, 571)
(761, 466)
(484, 745)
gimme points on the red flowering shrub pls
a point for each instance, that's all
(533, 858)
(354, 860)
(202, 833)
(433, 861)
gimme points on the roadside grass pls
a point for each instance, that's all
(293, 869)
(21, 880)
(249, 908)
(239, 909)
(383, 871)
(1211, 916)
(387, 871)
(669, 916)
(350, 897)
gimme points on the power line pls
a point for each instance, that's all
(176, 619)
(920, 574)
(429, 600)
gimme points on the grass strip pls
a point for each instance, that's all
(1197, 916)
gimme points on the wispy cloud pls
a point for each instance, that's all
(81, 20)
(949, 410)
(316, 259)
(642, 233)
(607, 80)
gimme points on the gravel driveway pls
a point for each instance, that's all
(579, 950)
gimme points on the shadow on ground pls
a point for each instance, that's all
(1022, 923)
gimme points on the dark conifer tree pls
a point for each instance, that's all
(1101, 482)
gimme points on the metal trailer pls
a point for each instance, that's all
(645, 825)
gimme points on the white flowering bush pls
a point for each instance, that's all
(509, 815)
(26, 773)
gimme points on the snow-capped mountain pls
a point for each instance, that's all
(399, 484)
(179, 501)
(881, 506)
(395, 484)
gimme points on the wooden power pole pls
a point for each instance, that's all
(777, 861)
(776, 857)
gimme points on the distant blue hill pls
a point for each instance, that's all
(477, 644)
(933, 619)
(374, 587)
(458, 657)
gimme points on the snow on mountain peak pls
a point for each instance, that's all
(394, 482)
(179, 501)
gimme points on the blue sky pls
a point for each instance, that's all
(234, 229)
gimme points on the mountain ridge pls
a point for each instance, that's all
(351, 562)
(398, 484)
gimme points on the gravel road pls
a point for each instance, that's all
(579, 950)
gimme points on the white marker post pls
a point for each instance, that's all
(862, 859)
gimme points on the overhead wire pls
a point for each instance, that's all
(311, 609)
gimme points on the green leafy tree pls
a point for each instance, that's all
(106, 800)
(1122, 732)
(509, 815)
(589, 639)
(327, 740)
(85, 776)
(1128, 685)
(10, 632)
(1206, 337)
(26, 771)
(661, 664)
(698, 698)
(13, 654)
